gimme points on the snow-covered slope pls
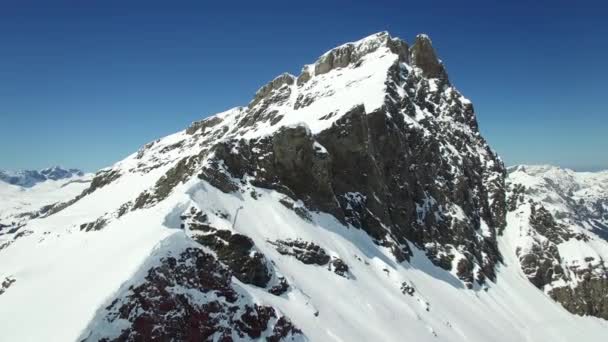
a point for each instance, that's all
(559, 219)
(354, 202)
(20, 202)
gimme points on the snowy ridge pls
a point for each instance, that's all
(354, 202)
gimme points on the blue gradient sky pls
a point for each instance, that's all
(84, 84)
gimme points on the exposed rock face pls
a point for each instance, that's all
(276, 84)
(561, 213)
(351, 53)
(177, 174)
(423, 56)
(95, 225)
(311, 254)
(398, 180)
(541, 263)
(6, 283)
(306, 252)
(590, 297)
(190, 298)
(340, 268)
(236, 251)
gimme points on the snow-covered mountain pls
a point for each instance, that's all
(560, 225)
(354, 202)
(29, 178)
(27, 194)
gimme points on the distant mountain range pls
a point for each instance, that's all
(29, 178)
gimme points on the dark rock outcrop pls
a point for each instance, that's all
(561, 213)
(349, 54)
(541, 264)
(237, 252)
(181, 172)
(164, 306)
(6, 283)
(277, 83)
(95, 225)
(544, 224)
(281, 288)
(307, 252)
(590, 297)
(423, 56)
(339, 267)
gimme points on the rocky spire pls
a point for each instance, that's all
(422, 55)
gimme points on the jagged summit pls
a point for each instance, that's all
(349, 53)
(378, 71)
(422, 56)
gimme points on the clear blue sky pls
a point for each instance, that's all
(85, 83)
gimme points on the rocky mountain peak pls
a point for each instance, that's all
(356, 124)
(366, 138)
(351, 53)
(365, 177)
(424, 57)
(376, 71)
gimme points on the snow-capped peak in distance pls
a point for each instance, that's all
(561, 179)
(29, 178)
